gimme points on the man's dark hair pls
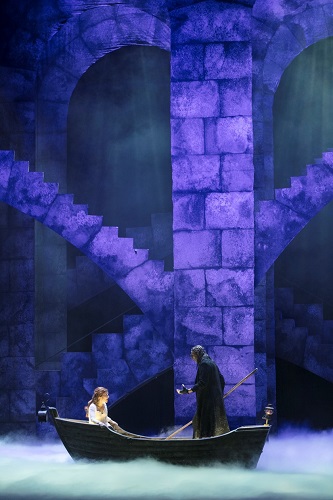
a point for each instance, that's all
(199, 351)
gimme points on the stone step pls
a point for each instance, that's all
(85, 281)
(318, 358)
(291, 342)
(278, 221)
(284, 301)
(310, 316)
(302, 197)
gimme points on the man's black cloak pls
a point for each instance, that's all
(210, 418)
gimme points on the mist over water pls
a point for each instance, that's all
(293, 465)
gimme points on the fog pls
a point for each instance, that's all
(293, 465)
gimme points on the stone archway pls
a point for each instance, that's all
(288, 36)
(280, 33)
(77, 46)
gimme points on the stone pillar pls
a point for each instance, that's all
(212, 159)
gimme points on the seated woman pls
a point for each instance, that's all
(97, 411)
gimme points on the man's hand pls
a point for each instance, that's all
(184, 390)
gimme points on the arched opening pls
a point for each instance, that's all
(119, 158)
(119, 163)
(303, 130)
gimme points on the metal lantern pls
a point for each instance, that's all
(269, 411)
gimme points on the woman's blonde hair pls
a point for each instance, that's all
(98, 392)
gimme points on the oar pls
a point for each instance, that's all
(225, 395)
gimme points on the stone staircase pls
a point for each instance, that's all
(303, 336)
(84, 281)
(90, 290)
(144, 280)
(278, 221)
(118, 361)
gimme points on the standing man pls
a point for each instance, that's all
(210, 418)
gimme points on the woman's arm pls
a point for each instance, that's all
(92, 414)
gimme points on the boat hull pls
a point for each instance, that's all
(242, 446)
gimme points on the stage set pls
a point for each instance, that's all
(166, 177)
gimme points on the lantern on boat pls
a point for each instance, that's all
(269, 410)
(45, 411)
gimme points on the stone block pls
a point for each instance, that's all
(16, 82)
(236, 162)
(227, 287)
(195, 99)
(148, 360)
(22, 277)
(201, 325)
(240, 181)
(125, 382)
(238, 326)
(236, 97)
(106, 348)
(211, 22)
(47, 382)
(229, 135)
(17, 373)
(188, 211)
(187, 136)
(196, 173)
(238, 248)
(234, 362)
(136, 328)
(187, 62)
(76, 366)
(185, 408)
(17, 307)
(22, 407)
(60, 81)
(197, 249)
(185, 368)
(116, 376)
(72, 221)
(22, 339)
(241, 402)
(278, 11)
(229, 210)
(231, 60)
(30, 194)
(116, 256)
(190, 288)
(237, 172)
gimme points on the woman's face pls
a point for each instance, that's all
(103, 398)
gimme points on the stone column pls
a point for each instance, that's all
(212, 158)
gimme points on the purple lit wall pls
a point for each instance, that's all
(212, 148)
(229, 224)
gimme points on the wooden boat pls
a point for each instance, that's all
(242, 446)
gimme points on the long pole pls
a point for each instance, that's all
(224, 396)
